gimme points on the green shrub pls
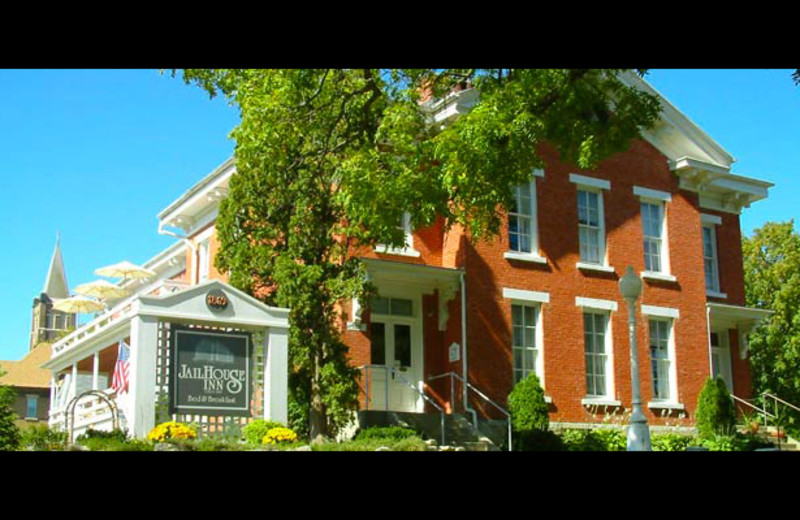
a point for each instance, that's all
(540, 440)
(40, 437)
(671, 442)
(9, 432)
(582, 440)
(255, 431)
(410, 444)
(612, 439)
(116, 434)
(716, 414)
(529, 413)
(394, 433)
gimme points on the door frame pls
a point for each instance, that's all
(415, 374)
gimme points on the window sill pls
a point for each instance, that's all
(399, 252)
(716, 294)
(595, 267)
(524, 257)
(662, 277)
(600, 401)
(32, 419)
(665, 405)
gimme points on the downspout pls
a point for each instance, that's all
(464, 365)
(708, 335)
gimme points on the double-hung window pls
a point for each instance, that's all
(661, 324)
(653, 205)
(31, 406)
(660, 359)
(526, 332)
(524, 344)
(521, 220)
(404, 224)
(523, 233)
(653, 230)
(595, 332)
(710, 258)
(590, 228)
(591, 221)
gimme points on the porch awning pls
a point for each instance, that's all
(743, 319)
(447, 281)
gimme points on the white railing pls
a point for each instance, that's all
(115, 314)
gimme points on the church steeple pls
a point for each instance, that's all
(55, 286)
(48, 324)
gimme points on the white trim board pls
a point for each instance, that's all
(594, 303)
(526, 296)
(661, 312)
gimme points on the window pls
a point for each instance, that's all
(32, 406)
(203, 258)
(521, 219)
(710, 258)
(653, 231)
(660, 331)
(590, 227)
(596, 351)
(392, 306)
(404, 224)
(523, 341)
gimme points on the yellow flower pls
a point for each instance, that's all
(276, 435)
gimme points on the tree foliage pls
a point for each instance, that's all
(9, 432)
(327, 160)
(772, 281)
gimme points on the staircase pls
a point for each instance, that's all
(458, 430)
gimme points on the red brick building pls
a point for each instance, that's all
(543, 296)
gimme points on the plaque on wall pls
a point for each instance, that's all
(210, 372)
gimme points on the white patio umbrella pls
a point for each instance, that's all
(78, 304)
(126, 270)
(101, 289)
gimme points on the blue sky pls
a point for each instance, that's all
(96, 154)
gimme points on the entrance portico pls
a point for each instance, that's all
(405, 330)
(145, 323)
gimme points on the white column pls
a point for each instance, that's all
(73, 385)
(142, 375)
(276, 374)
(95, 370)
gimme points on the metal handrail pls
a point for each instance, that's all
(480, 394)
(394, 371)
(763, 411)
(778, 399)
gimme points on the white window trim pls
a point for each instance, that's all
(672, 402)
(705, 218)
(660, 312)
(589, 182)
(659, 198)
(525, 297)
(713, 291)
(408, 250)
(534, 255)
(594, 303)
(539, 368)
(648, 193)
(592, 184)
(609, 398)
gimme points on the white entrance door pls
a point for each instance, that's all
(397, 345)
(721, 358)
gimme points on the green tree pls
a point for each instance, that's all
(9, 432)
(771, 258)
(329, 160)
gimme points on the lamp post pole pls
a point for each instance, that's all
(630, 286)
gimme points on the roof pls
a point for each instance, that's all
(55, 285)
(27, 372)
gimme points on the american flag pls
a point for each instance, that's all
(119, 380)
